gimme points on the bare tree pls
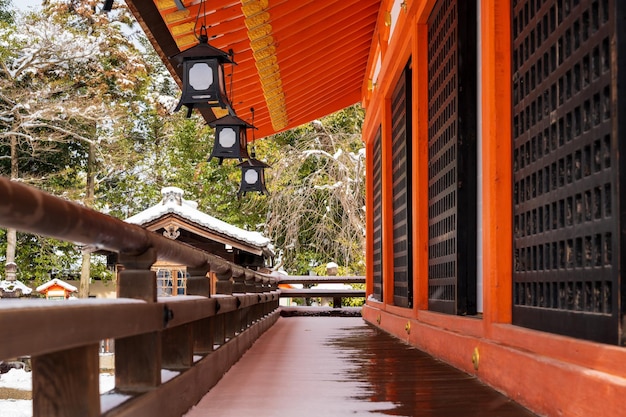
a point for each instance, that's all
(316, 211)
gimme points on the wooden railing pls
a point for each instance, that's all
(168, 352)
(310, 291)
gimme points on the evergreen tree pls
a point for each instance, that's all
(85, 113)
(6, 12)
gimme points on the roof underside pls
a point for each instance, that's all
(296, 60)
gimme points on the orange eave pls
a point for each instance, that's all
(296, 60)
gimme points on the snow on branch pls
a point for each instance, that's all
(45, 45)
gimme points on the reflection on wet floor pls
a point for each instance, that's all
(391, 371)
(341, 366)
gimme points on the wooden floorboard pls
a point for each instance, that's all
(341, 366)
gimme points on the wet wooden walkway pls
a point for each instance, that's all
(338, 366)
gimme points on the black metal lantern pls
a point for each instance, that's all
(231, 140)
(252, 176)
(204, 83)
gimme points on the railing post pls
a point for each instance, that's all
(273, 295)
(219, 331)
(263, 305)
(241, 319)
(258, 283)
(223, 322)
(239, 277)
(138, 358)
(276, 301)
(267, 306)
(224, 285)
(66, 383)
(199, 284)
(250, 315)
(230, 324)
(249, 282)
(177, 345)
(136, 280)
(251, 288)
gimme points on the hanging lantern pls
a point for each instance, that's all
(204, 83)
(252, 176)
(252, 170)
(231, 140)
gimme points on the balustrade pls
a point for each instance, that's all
(337, 294)
(155, 338)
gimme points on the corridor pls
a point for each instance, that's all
(337, 366)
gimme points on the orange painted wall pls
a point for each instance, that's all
(550, 374)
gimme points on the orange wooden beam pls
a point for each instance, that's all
(495, 32)
(369, 217)
(387, 203)
(420, 166)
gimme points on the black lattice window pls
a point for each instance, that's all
(401, 177)
(566, 223)
(452, 156)
(378, 218)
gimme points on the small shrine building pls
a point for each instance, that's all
(180, 219)
(56, 289)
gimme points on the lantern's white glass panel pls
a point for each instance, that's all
(227, 137)
(251, 176)
(200, 76)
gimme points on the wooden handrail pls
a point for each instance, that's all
(336, 294)
(321, 279)
(30, 210)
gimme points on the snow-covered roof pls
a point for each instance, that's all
(174, 203)
(11, 286)
(58, 282)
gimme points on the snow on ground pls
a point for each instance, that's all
(20, 379)
(16, 408)
(16, 378)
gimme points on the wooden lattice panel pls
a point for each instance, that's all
(401, 176)
(566, 174)
(378, 216)
(452, 157)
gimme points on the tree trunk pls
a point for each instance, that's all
(83, 290)
(10, 267)
(85, 271)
